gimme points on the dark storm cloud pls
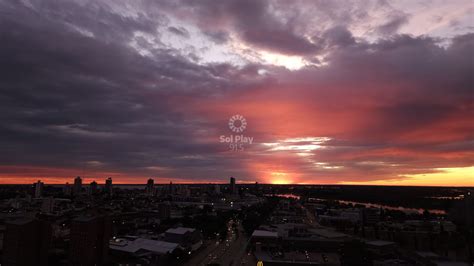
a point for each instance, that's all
(93, 85)
(254, 23)
(338, 35)
(290, 28)
(94, 18)
(77, 98)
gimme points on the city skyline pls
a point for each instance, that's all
(334, 92)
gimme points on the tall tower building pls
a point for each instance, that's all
(108, 186)
(77, 189)
(462, 211)
(26, 242)
(39, 189)
(233, 188)
(90, 237)
(171, 188)
(150, 187)
(92, 188)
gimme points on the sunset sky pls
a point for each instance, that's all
(333, 92)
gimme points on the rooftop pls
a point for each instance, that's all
(133, 246)
(327, 233)
(180, 230)
(263, 233)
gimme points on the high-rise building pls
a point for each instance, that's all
(108, 186)
(462, 211)
(90, 237)
(26, 242)
(150, 187)
(77, 186)
(232, 188)
(171, 188)
(39, 189)
(92, 188)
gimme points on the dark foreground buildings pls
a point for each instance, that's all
(26, 242)
(89, 240)
(198, 224)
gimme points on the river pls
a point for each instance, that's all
(367, 205)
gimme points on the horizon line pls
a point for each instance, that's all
(244, 183)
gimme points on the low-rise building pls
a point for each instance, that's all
(188, 238)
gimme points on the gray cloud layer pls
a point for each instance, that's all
(74, 93)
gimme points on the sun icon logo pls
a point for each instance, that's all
(237, 123)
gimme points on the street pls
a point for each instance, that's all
(231, 251)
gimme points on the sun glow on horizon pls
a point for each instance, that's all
(456, 176)
(280, 178)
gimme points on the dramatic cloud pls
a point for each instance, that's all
(333, 92)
